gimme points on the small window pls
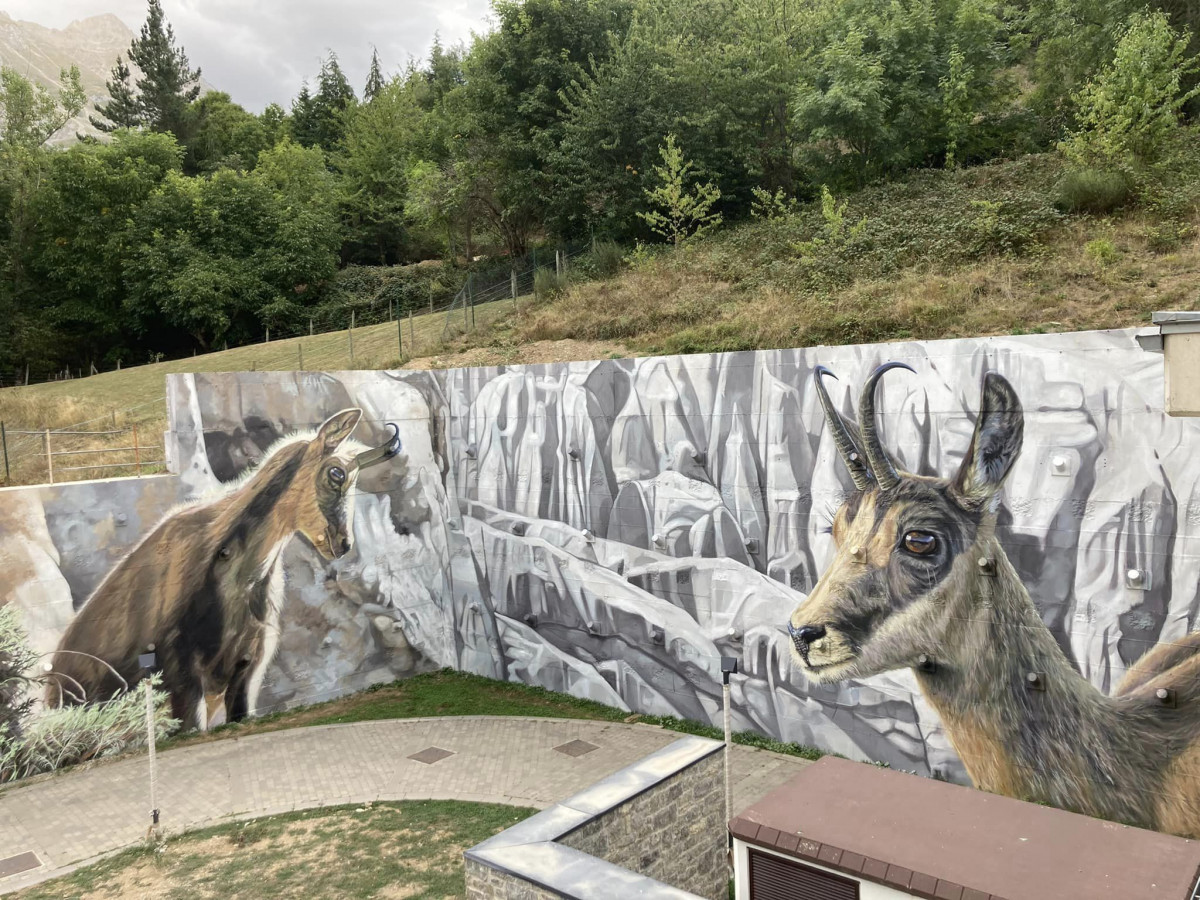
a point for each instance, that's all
(773, 878)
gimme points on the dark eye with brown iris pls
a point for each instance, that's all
(337, 476)
(921, 543)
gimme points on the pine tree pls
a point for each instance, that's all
(167, 83)
(122, 110)
(304, 119)
(374, 79)
(334, 96)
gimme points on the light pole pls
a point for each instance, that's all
(147, 661)
(729, 666)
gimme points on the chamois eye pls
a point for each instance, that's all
(337, 476)
(921, 543)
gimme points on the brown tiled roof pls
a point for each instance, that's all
(945, 842)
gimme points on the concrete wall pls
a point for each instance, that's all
(654, 829)
(612, 528)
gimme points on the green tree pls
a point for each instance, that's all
(276, 124)
(221, 133)
(30, 114)
(166, 83)
(373, 162)
(1130, 113)
(375, 80)
(681, 213)
(122, 109)
(333, 98)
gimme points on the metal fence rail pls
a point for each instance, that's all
(136, 447)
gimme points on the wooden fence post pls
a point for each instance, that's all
(300, 353)
(310, 328)
(466, 299)
(268, 334)
(137, 453)
(400, 332)
(350, 333)
(431, 298)
(412, 335)
(4, 442)
(514, 290)
(49, 458)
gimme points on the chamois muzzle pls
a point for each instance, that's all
(388, 450)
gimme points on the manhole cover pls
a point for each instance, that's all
(22, 862)
(430, 755)
(576, 748)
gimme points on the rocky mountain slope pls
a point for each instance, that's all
(41, 53)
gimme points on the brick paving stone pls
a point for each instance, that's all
(78, 816)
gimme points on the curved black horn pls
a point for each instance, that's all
(389, 449)
(877, 459)
(842, 439)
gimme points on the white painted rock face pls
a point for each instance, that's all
(613, 528)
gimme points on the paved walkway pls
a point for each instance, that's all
(76, 817)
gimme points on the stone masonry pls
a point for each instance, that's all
(674, 832)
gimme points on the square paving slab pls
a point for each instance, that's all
(430, 755)
(576, 748)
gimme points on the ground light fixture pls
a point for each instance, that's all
(729, 666)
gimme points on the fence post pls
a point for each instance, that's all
(513, 276)
(137, 453)
(118, 365)
(431, 298)
(400, 332)
(49, 459)
(300, 353)
(4, 442)
(412, 335)
(310, 330)
(27, 372)
(558, 264)
(268, 334)
(466, 298)
(350, 333)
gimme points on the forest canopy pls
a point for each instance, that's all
(195, 223)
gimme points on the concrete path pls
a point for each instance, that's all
(77, 817)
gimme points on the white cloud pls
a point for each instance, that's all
(261, 50)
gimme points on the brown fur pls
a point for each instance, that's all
(1130, 757)
(199, 587)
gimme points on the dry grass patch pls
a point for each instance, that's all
(387, 851)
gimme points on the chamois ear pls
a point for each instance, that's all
(994, 446)
(337, 428)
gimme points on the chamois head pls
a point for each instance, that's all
(902, 540)
(331, 463)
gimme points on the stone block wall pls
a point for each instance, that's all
(674, 832)
(654, 829)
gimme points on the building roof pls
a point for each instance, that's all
(947, 842)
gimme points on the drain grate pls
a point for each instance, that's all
(22, 862)
(576, 748)
(430, 755)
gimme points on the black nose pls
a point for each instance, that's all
(805, 635)
(346, 547)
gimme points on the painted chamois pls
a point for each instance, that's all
(919, 581)
(205, 587)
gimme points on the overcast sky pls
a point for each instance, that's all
(261, 50)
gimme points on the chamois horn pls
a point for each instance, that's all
(842, 438)
(877, 459)
(389, 449)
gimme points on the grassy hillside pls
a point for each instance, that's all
(989, 250)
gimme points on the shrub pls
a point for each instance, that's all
(1101, 251)
(546, 283)
(605, 260)
(1167, 236)
(1093, 191)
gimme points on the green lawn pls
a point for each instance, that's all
(451, 693)
(406, 850)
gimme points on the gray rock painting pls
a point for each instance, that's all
(613, 528)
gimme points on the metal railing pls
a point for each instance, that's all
(137, 448)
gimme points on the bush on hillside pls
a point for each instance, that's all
(1093, 191)
(547, 283)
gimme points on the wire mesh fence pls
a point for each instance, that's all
(49, 456)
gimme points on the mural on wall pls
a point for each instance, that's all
(205, 588)
(921, 582)
(613, 528)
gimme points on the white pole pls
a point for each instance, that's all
(147, 660)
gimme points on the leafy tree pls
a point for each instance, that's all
(681, 214)
(166, 83)
(378, 140)
(221, 133)
(276, 124)
(122, 109)
(1131, 111)
(30, 114)
(374, 78)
